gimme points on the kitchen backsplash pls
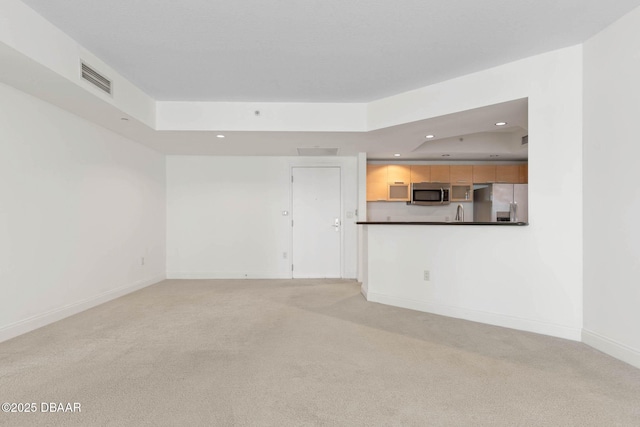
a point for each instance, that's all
(400, 212)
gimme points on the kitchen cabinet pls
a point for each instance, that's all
(399, 192)
(398, 183)
(377, 185)
(523, 174)
(398, 174)
(461, 183)
(484, 173)
(420, 173)
(509, 174)
(393, 182)
(430, 173)
(461, 174)
(461, 192)
(440, 173)
(388, 183)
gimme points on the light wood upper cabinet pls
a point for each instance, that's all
(388, 182)
(484, 173)
(420, 173)
(392, 182)
(398, 174)
(377, 173)
(377, 186)
(461, 174)
(399, 192)
(508, 174)
(523, 174)
(462, 192)
(440, 173)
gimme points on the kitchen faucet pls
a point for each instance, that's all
(460, 214)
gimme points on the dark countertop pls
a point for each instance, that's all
(501, 224)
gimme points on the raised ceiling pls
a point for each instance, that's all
(317, 50)
(480, 138)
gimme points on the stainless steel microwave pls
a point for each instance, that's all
(430, 194)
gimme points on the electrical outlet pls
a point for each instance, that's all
(142, 261)
(427, 275)
(284, 255)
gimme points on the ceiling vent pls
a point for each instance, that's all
(96, 79)
(316, 151)
(525, 140)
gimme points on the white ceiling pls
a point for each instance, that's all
(326, 51)
(317, 50)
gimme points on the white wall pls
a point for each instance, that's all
(224, 215)
(362, 215)
(274, 116)
(611, 152)
(522, 277)
(400, 211)
(79, 207)
(490, 274)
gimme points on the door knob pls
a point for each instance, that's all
(336, 224)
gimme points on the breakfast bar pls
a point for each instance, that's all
(488, 272)
(439, 223)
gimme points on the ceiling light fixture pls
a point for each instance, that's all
(219, 135)
(501, 123)
(396, 155)
(430, 136)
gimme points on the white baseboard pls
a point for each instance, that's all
(496, 319)
(364, 291)
(224, 275)
(23, 326)
(237, 275)
(612, 347)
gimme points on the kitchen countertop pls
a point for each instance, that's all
(501, 224)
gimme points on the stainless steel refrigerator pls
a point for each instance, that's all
(501, 202)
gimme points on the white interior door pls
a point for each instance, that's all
(317, 227)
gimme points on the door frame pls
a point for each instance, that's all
(317, 165)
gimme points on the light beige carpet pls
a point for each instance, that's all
(303, 352)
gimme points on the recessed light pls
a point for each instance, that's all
(446, 155)
(501, 123)
(430, 136)
(219, 135)
(396, 155)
